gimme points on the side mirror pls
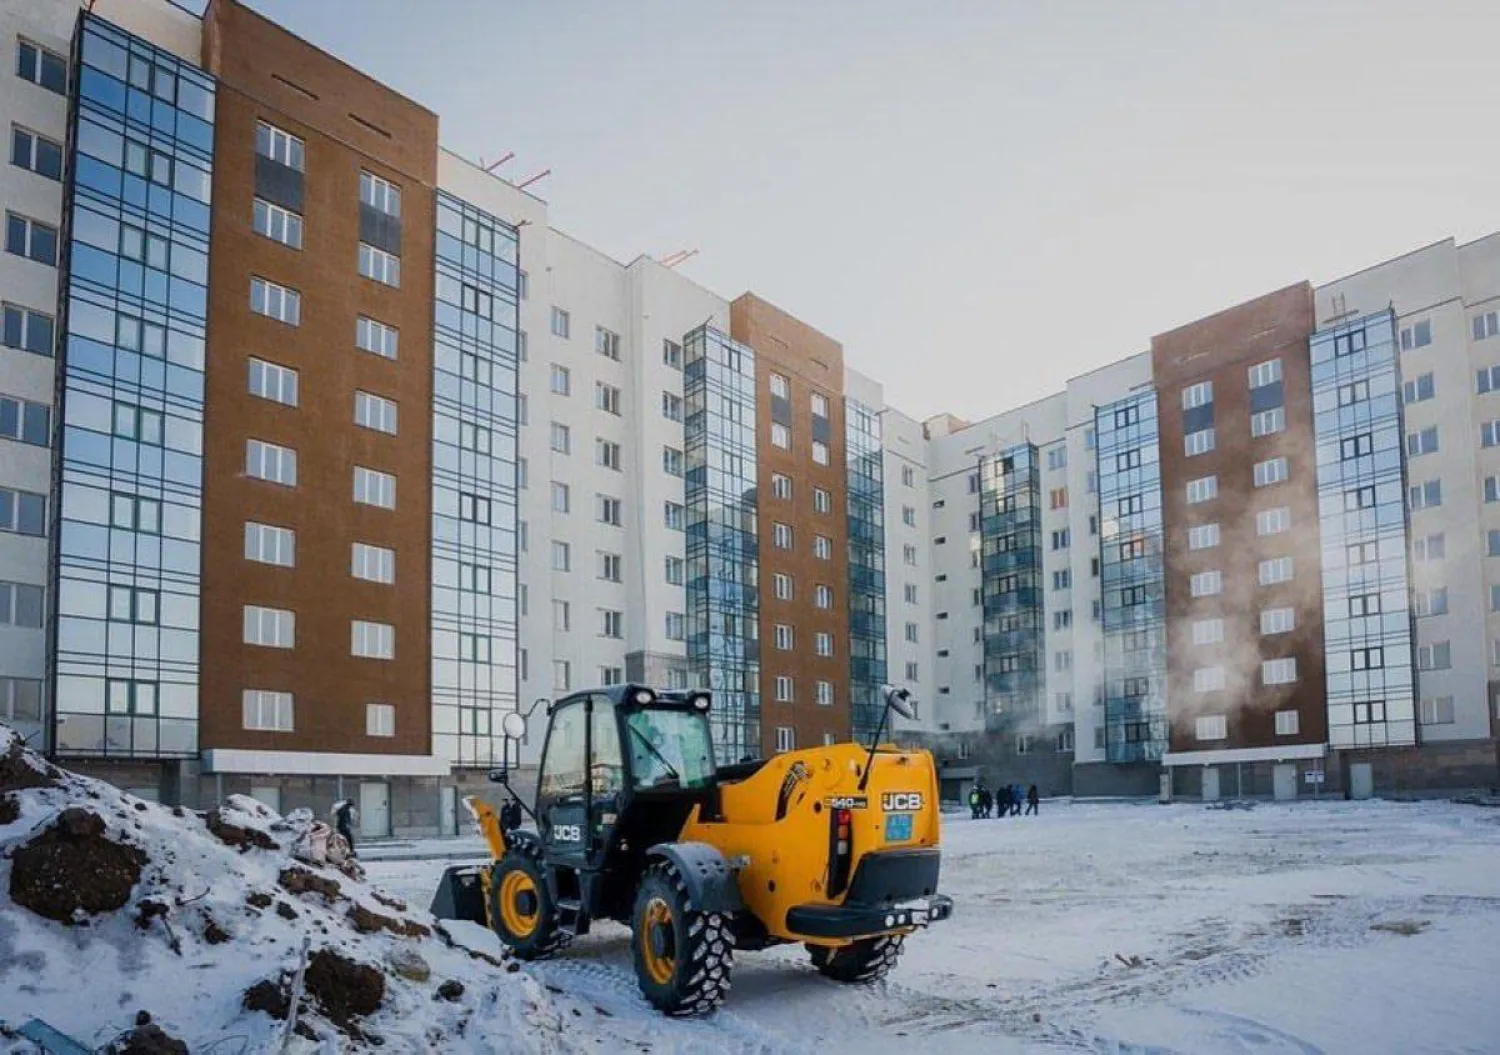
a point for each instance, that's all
(499, 775)
(513, 725)
(900, 702)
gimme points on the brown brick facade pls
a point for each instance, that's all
(812, 363)
(348, 122)
(1222, 348)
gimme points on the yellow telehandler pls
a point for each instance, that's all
(835, 847)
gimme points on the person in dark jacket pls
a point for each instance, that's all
(986, 801)
(1002, 801)
(1032, 800)
(343, 820)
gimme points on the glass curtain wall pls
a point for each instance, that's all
(723, 553)
(1010, 521)
(1367, 618)
(129, 468)
(1132, 579)
(866, 478)
(474, 507)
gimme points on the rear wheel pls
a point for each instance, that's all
(866, 960)
(521, 909)
(683, 957)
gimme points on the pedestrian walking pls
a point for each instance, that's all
(986, 802)
(975, 797)
(1002, 801)
(1017, 798)
(344, 816)
(1032, 801)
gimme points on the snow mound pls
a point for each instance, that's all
(122, 920)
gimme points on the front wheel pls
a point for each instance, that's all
(683, 956)
(521, 908)
(861, 962)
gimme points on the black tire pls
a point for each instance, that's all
(545, 936)
(867, 960)
(687, 971)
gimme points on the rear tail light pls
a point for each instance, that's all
(840, 850)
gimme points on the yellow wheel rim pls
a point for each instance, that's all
(516, 885)
(656, 928)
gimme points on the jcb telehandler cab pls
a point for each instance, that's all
(835, 847)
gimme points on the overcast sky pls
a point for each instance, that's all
(979, 198)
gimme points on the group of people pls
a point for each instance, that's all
(1007, 802)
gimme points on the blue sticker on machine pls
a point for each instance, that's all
(897, 827)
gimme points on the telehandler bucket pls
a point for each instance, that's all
(460, 895)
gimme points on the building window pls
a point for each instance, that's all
(21, 605)
(1060, 620)
(36, 153)
(1278, 569)
(275, 302)
(911, 633)
(1366, 658)
(1061, 580)
(786, 739)
(1200, 442)
(823, 596)
(822, 547)
(819, 405)
(782, 586)
(671, 407)
(374, 488)
(562, 556)
(1272, 471)
(1267, 373)
(781, 536)
(676, 626)
(1202, 489)
(671, 354)
(607, 454)
(675, 567)
(1212, 727)
(1268, 422)
(31, 239)
(1431, 602)
(783, 689)
(269, 627)
(1417, 389)
(279, 146)
(481, 440)
(671, 461)
(606, 342)
(781, 486)
(611, 623)
(783, 637)
(562, 323)
(372, 563)
(781, 436)
(1423, 441)
(38, 65)
(379, 194)
(1438, 711)
(1208, 631)
(1288, 723)
(278, 224)
(273, 382)
(1418, 335)
(1200, 536)
(562, 381)
(28, 330)
(476, 578)
(610, 510)
(822, 500)
(1207, 584)
(380, 719)
(374, 412)
(562, 675)
(372, 640)
(823, 643)
(1437, 656)
(1426, 495)
(1058, 497)
(267, 461)
(675, 516)
(780, 387)
(1208, 679)
(31, 423)
(562, 438)
(824, 693)
(909, 516)
(267, 544)
(1354, 392)
(379, 265)
(266, 711)
(612, 567)
(1278, 671)
(820, 452)
(611, 675)
(1424, 549)
(908, 476)
(1198, 395)
(1278, 620)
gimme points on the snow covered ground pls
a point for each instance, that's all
(1314, 927)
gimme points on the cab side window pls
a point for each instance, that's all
(609, 767)
(562, 769)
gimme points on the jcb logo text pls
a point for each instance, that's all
(567, 833)
(901, 801)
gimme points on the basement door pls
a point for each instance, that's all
(374, 809)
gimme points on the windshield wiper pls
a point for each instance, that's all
(649, 746)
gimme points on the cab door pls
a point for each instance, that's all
(581, 779)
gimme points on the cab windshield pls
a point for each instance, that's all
(669, 747)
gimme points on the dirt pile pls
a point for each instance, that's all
(73, 870)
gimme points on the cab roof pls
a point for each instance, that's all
(625, 695)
